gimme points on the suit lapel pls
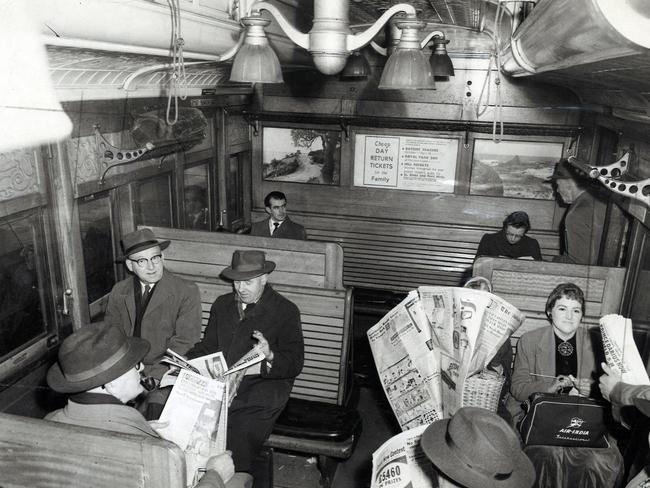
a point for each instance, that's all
(546, 353)
(160, 295)
(129, 304)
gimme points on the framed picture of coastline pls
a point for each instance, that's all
(514, 169)
(301, 155)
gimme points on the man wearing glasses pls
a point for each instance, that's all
(154, 303)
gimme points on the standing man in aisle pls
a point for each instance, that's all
(254, 314)
(278, 224)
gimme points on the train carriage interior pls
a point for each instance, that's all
(400, 133)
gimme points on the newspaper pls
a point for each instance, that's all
(192, 418)
(621, 352)
(409, 372)
(214, 366)
(429, 344)
(400, 462)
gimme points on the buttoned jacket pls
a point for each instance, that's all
(288, 230)
(172, 318)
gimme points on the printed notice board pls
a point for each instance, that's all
(405, 162)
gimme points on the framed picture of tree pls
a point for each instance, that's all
(301, 155)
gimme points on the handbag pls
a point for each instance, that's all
(554, 419)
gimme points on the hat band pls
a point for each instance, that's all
(463, 457)
(248, 267)
(131, 249)
(101, 367)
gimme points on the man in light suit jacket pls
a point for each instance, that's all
(154, 303)
(278, 224)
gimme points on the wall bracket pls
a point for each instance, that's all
(111, 156)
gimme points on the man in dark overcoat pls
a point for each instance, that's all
(254, 314)
(278, 224)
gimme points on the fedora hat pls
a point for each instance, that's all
(139, 240)
(93, 356)
(562, 171)
(247, 265)
(478, 449)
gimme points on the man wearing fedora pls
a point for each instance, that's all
(254, 314)
(478, 449)
(154, 303)
(100, 367)
(582, 225)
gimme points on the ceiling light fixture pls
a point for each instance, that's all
(331, 42)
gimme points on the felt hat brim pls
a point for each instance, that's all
(242, 275)
(142, 246)
(434, 444)
(137, 350)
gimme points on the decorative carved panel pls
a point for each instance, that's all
(18, 174)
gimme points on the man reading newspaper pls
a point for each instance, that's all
(254, 314)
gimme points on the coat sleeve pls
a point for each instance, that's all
(114, 310)
(483, 247)
(289, 351)
(523, 383)
(188, 321)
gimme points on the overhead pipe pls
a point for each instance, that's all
(561, 34)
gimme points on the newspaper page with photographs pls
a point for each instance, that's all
(621, 352)
(429, 346)
(408, 370)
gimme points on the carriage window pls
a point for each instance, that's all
(23, 289)
(97, 243)
(197, 204)
(235, 197)
(153, 202)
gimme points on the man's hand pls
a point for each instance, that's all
(263, 345)
(608, 381)
(222, 464)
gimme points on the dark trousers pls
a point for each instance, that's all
(248, 428)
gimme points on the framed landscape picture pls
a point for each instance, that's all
(515, 169)
(301, 155)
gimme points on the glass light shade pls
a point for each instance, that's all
(440, 61)
(30, 113)
(408, 67)
(357, 67)
(256, 62)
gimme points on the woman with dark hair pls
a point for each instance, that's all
(511, 241)
(559, 358)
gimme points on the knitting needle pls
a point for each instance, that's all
(543, 375)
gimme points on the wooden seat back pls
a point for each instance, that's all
(194, 253)
(400, 256)
(38, 453)
(326, 316)
(527, 285)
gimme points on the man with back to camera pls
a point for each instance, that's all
(511, 241)
(254, 314)
(101, 368)
(582, 225)
(154, 303)
(278, 224)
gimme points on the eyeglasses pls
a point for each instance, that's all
(142, 262)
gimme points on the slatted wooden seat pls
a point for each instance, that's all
(400, 256)
(527, 285)
(37, 453)
(205, 254)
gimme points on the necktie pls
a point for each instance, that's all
(145, 294)
(275, 227)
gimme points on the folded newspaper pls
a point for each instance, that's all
(194, 417)
(621, 352)
(432, 349)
